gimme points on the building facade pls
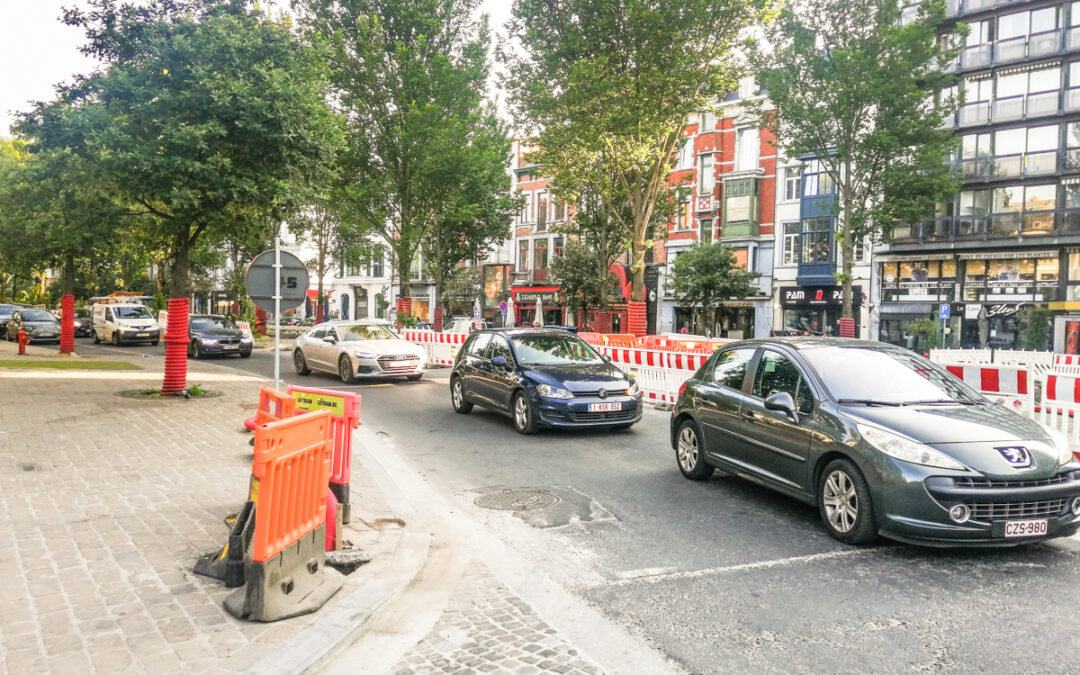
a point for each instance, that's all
(1010, 237)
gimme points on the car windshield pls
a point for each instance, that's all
(6, 311)
(37, 315)
(132, 313)
(553, 350)
(357, 333)
(885, 376)
(210, 323)
(81, 313)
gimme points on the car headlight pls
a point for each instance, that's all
(906, 449)
(245, 340)
(633, 389)
(1060, 443)
(209, 341)
(548, 391)
(364, 355)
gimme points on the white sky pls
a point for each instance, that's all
(37, 51)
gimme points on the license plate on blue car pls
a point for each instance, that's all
(605, 407)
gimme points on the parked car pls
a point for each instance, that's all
(83, 324)
(40, 325)
(542, 378)
(124, 322)
(881, 440)
(6, 310)
(358, 349)
(464, 324)
(216, 334)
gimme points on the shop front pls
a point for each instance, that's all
(525, 305)
(734, 319)
(814, 310)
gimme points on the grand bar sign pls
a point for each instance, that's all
(803, 296)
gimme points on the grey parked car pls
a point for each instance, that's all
(358, 349)
(881, 440)
(40, 325)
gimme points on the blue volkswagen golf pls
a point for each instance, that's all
(542, 378)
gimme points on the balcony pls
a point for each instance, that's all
(975, 57)
(1029, 225)
(1043, 163)
(1023, 48)
(539, 275)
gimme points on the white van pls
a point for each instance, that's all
(122, 323)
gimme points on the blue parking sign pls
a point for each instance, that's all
(943, 313)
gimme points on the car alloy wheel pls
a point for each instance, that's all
(457, 397)
(845, 504)
(344, 369)
(116, 339)
(196, 351)
(300, 363)
(523, 416)
(688, 452)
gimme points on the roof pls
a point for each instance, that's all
(810, 342)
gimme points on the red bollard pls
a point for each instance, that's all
(67, 325)
(176, 341)
(22, 343)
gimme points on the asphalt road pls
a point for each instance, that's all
(724, 576)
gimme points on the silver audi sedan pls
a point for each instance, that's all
(358, 349)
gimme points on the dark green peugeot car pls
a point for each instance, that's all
(881, 440)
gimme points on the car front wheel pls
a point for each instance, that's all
(844, 502)
(196, 351)
(688, 452)
(457, 397)
(345, 370)
(300, 363)
(524, 422)
(93, 334)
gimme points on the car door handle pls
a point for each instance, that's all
(749, 414)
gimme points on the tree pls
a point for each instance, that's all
(207, 118)
(866, 96)
(464, 286)
(410, 77)
(335, 242)
(1036, 327)
(705, 275)
(606, 87)
(583, 279)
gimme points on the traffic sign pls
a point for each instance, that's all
(943, 312)
(259, 281)
(476, 312)
(502, 307)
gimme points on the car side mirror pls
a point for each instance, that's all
(499, 361)
(331, 339)
(606, 358)
(782, 401)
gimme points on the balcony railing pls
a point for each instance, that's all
(973, 113)
(1012, 108)
(1041, 163)
(954, 8)
(1025, 47)
(540, 275)
(998, 226)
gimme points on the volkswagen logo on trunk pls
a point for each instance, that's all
(1018, 457)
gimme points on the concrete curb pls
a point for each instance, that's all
(349, 613)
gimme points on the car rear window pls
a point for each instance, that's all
(37, 315)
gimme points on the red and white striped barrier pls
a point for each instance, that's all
(1060, 405)
(441, 348)
(1009, 384)
(658, 373)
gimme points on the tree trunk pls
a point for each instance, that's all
(180, 265)
(68, 281)
(847, 251)
(637, 270)
(403, 276)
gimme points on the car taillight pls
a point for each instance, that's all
(682, 388)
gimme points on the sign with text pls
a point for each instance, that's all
(309, 401)
(533, 296)
(801, 296)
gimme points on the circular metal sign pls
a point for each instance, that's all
(259, 281)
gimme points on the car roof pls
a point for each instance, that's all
(206, 316)
(518, 332)
(804, 342)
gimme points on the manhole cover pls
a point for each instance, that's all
(517, 500)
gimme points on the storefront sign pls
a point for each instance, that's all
(1004, 309)
(737, 303)
(533, 296)
(1007, 255)
(799, 296)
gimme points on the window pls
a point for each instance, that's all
(683, 217)
(500, 347)
(541, 212)
(791, 242)
(558, 248)
(816, 180)
(978, 33)
(777, 374)
(375, 267)
(540, 254)
(318, 333)
(746, 151)
(708, 122)
(108, 314)
(978, 90)
(686, 153)
(523, 255)
(560, 209)
(815, 244)
(859, 256)
(792, 183)
(747, 87)
(706, 176)
(729, 370)
(479, 344)
(974, 203)
(706, 231)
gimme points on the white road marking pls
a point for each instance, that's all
(626, 580)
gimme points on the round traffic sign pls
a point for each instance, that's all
(259, 281)
(502, 307)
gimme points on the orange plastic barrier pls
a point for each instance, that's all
(292, 465)
(620, 339)
(345, 407)
(272, 406)
(591, 338)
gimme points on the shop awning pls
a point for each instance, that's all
(912, 257)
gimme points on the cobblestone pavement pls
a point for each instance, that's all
(485, 628)
(105, 505)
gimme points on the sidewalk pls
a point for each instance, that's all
(107, 502)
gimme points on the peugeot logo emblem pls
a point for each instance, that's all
(1018, 457)
(602, 393)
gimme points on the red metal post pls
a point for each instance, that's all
(847, 327)
(637, 320)
(67, 324)
(176, 342)
(404, 308)
(260, 321)
(438, 320)
(22, 342)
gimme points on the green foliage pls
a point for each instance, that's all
(464, 286)
(866, 96)
(1035, 331)
(928, 332)
(425, 159)
(607, 86)
(584, 279)
(705, 275)
(205, 120)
